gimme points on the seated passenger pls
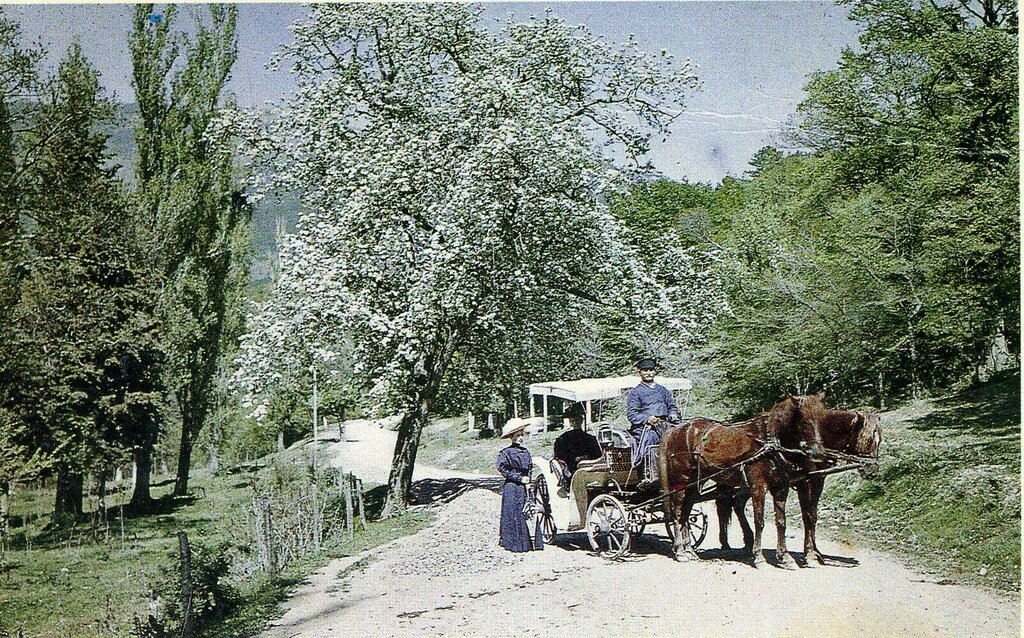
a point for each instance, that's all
(574, 445)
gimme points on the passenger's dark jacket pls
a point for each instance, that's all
(572, 445)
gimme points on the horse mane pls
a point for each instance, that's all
(852, 432)
(781, 416)
(869, 437)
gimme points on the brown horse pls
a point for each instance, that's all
(855, 433)
(847, 432)
(738, 455)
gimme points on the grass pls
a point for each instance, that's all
(948, 492)
(93, 579)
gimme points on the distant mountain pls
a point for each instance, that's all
(121, 145)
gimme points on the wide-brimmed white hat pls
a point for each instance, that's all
(514, 425)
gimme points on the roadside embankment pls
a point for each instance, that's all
(947, 496)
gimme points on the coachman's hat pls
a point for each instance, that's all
(646, 363)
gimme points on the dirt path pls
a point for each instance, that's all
(453, 579)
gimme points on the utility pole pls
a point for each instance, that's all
(316, 424)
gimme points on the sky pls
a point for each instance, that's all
(753, 59)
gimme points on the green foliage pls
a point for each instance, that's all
(651, 210)
(212, 597)
(886, 265)
(674, 228)
(948, 488)
(199, 217)
(18, 457)
(84, 397)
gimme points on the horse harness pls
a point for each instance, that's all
(767, 447)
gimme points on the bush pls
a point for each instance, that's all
(212, 599)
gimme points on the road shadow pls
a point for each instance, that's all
(830, 560)
(640, 546)
(427, 491)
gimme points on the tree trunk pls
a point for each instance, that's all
(70, 488)
(185, 600)
(141, 497)
(423, 388)
(404, 460)
(5, 508)
(184, 459)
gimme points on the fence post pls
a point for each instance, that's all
(267, 524)
(362, 512)
(318, 526)
(348, 506)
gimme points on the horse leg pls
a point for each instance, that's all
(723, 504)
(779, 494)
(683, 546)
(739, 507)
(814, 487)
(673, 512)
(757, 496)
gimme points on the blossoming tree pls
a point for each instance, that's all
(453, 179)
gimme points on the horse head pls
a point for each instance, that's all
(796, 422)
(868, 441)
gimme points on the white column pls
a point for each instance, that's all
(590, 414)
(531, 405)
(545, 412)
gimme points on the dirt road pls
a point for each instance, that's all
(453, 580)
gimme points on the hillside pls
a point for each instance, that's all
(949, 490)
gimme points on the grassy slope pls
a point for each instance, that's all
(87, 581)
(948, 494)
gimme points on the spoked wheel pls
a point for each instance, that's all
(698, 524)
(608, 527)
(548, 529)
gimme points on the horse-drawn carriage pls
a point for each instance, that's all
(622, 500)
(794, 445)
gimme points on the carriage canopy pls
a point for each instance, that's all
(587, 391)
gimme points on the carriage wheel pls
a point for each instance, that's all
(698, 525)
(548, 529)
(608, 527)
